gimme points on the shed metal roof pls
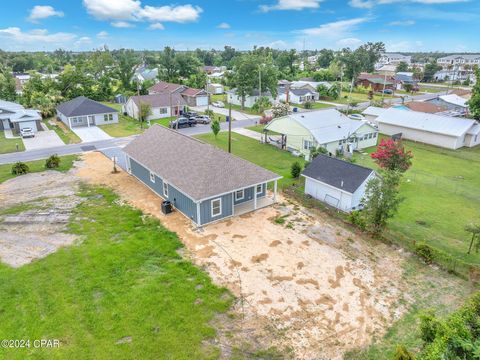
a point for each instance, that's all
(444, 125)
(199, 170)
(340, 174)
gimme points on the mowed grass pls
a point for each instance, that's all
(10, 145)
(123, 292)
(63, 132)
(264, 155)
(442, 195)
(66, 163)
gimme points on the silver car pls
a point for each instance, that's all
(27, 132)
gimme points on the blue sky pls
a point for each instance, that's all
(403, 25)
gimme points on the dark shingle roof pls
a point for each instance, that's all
(82, 106)
(333, 172)
(197, 169)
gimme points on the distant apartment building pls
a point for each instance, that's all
(393, 59)
(459, 62)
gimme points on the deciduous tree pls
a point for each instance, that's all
(391, 155)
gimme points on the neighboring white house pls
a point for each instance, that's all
(442, 131)
(297, 96)
(83, 111)
(215, 89)
(15, 117)
(452, 102)
(234, 99)
(393, 59)
(327, 128)
(336, 182)
(161, 105)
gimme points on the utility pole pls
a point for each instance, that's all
(259, 81)
(350, 95)
(230, 128)
(384, 84)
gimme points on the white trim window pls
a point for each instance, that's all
(152, 177)
(216, 207)
(259, 189)
(239, 195)
(165, 189)
(308, 144)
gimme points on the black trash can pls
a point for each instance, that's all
(167, 207)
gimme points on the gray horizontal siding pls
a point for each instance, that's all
(179, 200)
(248, 195)
(206, 209)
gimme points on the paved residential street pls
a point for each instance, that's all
(237, 115)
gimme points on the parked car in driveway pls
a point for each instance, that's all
(190, 114)
(356, 117)
(27, 132)
(182, 123)
(387, 91)
(202, 119)
(218, 104)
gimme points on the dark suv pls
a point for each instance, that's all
(182, 122)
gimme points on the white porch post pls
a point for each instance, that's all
(255, 198)
(275, 191)
(69, 123)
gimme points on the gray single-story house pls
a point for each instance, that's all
(336, 182)
(203, 182)
(83, 111)
(15, 117)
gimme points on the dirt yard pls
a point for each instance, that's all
(307, 284)
(34, 212)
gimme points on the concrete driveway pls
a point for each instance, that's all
(92, 133)
(237, 115)
(42, 140)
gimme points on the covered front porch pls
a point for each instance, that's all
(262, 198)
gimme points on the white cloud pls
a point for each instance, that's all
(121, 24)
(37, 36)
(335, 29)
(156, 26)
(405, 46)
(85, 40)
(132, 10)
(102, 35)
(292, 5)
(279, 44)
(349, 42)
(368, 4)
(402, 23)
(223, 25)
(40, 12)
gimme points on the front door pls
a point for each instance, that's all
(91, 120)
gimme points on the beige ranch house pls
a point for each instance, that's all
(329, 129)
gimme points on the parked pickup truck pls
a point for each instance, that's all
(27, 132)
(181, 123)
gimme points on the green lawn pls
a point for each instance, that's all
(360, 97)
(66, 164)
(264, 155)
(10, 145)
(441, 197)
(63, 132)
(315, 106)
(122, 292)
(259, 128)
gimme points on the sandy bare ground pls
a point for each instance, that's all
(308, 284)
(44, 202)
